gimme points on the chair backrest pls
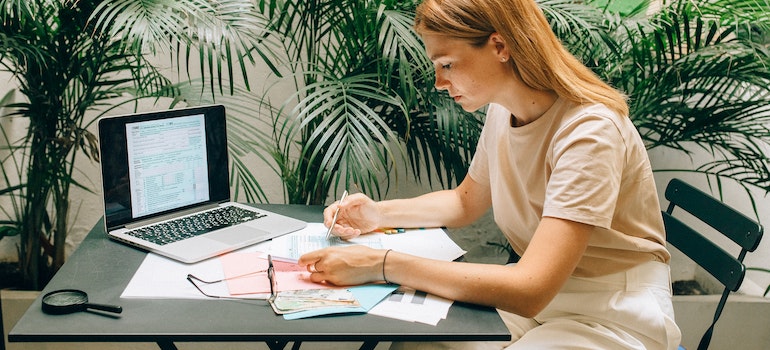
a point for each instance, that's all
(727, 268)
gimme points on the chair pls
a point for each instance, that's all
(725, 267)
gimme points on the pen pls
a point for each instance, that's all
(336, 212)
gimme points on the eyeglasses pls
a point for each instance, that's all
(270, 275)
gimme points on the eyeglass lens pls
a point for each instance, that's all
(270, 275)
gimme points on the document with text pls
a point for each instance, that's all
(160, 277)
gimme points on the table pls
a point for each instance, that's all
(102, 268)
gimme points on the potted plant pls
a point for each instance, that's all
(697, 75)
(381, 71)
(75, 60)
(361, 104)
(62, 72)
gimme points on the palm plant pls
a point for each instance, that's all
(62, 72)
(698, 76)
(73, 58)
(694, 77)
(363, 102)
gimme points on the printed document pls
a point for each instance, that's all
(160, 277)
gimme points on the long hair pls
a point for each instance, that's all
(537, 55)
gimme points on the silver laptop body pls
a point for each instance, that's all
(162, 171)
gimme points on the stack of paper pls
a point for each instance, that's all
(297, 296)
(410, 305)
(367, 296)
(159, 277)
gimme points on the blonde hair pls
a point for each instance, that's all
(537, 54)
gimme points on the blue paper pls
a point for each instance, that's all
(368, 296)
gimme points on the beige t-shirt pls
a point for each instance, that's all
(580, 163)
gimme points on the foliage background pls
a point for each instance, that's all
(347, 102)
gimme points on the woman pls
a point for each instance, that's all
(568, 179)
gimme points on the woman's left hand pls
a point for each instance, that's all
(344, 266)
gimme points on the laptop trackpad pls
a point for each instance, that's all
(236, 234)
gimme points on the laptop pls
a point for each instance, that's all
(165, 186)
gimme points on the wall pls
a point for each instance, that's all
(7, 245)
(744, 324)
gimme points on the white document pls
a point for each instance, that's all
(415, 306)
(430, 243)
(159, 277)
(313, 237)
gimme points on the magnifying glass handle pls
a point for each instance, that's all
(108, 308)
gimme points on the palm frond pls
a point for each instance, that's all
(444, 138)
(224, 33)
(581, 27)
(401, 51)
(694, 83)
(361, 76)
(348, 130)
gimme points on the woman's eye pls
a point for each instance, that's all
(446, 66)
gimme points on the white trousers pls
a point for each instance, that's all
(626, 310)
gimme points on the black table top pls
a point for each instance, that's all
(102, 268)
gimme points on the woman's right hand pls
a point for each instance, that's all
(358, 214)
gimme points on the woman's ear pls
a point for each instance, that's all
(501, 49)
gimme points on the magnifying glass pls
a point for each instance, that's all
(66, 301)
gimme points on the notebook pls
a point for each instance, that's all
(165, 186)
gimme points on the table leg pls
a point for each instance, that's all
(273, 345)
(166, 345)
(279, 345)
(368, 345)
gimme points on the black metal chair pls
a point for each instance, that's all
(727, 268)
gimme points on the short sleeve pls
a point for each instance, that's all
(587, 163)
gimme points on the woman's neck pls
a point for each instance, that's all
(529, 108)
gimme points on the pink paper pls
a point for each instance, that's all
(288, 276)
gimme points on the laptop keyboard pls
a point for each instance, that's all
(194, 225)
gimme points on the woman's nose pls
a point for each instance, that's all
(441, 82)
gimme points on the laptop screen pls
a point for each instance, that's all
(160, 162)
(167, 164)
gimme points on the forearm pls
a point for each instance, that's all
(448, 208)
(525, 289)
(434, 209)
(499, 286)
